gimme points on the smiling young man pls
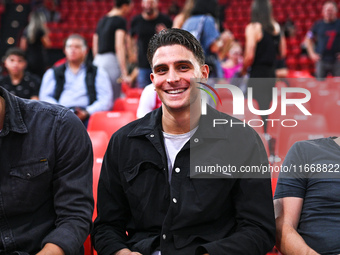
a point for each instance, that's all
(147, 201)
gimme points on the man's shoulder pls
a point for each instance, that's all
(140, 126)
(315, 144)
(337, 23)
(31, 77)
(319, 23)
(41, 107)
(164, 18)
(136, 19)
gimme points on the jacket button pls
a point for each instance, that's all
(196, 140)
(174, 200)
(28, 175)
(152, 135)
(177, 169)
(164, 236)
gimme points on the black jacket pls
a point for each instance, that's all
(45, 178)
(192, 215)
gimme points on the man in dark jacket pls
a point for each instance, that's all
(46, 201)
(154, 195)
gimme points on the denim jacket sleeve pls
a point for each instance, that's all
(72, 185)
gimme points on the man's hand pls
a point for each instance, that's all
(338, 56)
(51, 249)
(160, 27)
(82, 114)
(315, 57)
(127, 252)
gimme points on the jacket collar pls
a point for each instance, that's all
(13, 117)
(148, 123)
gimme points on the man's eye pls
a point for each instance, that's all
(183, 67)
(161, 70)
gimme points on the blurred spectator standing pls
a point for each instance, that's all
(18, 82)
(82, 87)
(184, 14)
(143, 27)
(109, 45)
(233, 63)
(49, 8)
(326, 34)
(34, 40)
(149, 101)
(203, 25)
(289, 28)
(262, 47)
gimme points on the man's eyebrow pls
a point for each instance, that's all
(184, 62)
(160, 65)
(177, 62)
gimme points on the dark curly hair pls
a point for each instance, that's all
(174, 36)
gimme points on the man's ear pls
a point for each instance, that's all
(205, 71)
(151, 77)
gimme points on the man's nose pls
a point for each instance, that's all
(173, 76)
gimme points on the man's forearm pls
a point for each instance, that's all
(291, 243)
(309, 46)
(126, 251)
(51, 249)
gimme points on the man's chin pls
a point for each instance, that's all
(149, 12)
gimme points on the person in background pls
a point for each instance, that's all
(45, 178)
(18, 82)
(184, 14)
(149, 101)
(202, 24)
(326, 33)
(143, 27)
(76, 84)
(34, 40)
(109, 45)
(234, 61)
(307, 200)
(281, 69)
(262, 48)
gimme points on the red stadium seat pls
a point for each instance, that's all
(321, 98)
(109, 121)
(99, 140)
(97, 165)
(126, 104)
(134, 93)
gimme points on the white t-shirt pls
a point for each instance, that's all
(173, 144)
